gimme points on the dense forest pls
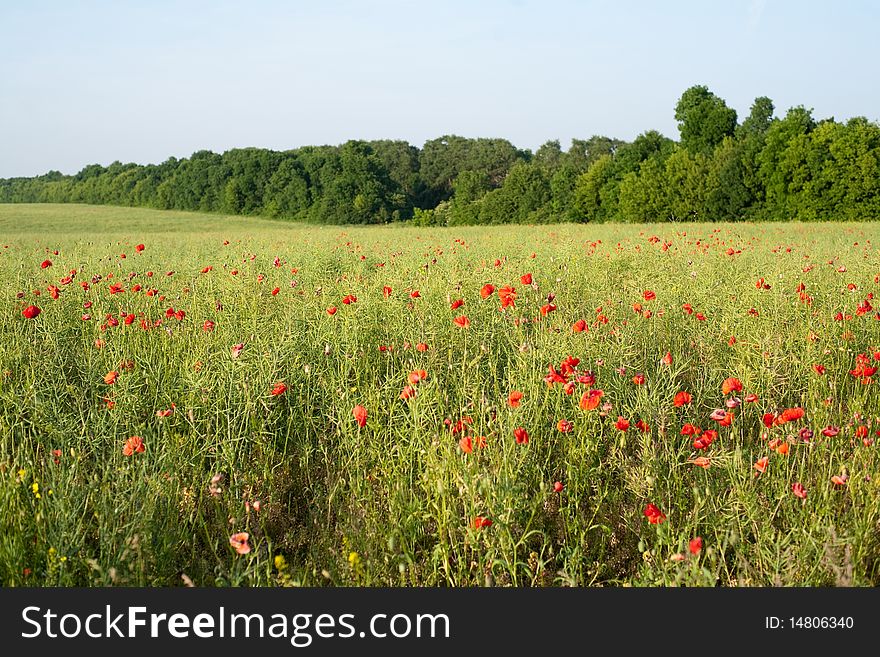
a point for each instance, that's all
(763, 168)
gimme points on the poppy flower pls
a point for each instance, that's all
(408, 392)
(521, 435)
(695, 545)
(236, 349)
(386, 291)
(564, 426)
(133, 445)
(139, 248)
(421, 346)
(416, 376)
(349, 299)
(415, 294)
(639, 379)
(839, 480)
(622, 423)
(667, 359)
(649, 295)
(507, 295)
(579, 326)
(643, 426)
(487, 290)
(331, 310)
(458, 303)
(590, 399)
(239, 541)
(31, 312)
(681, 398)
(705, 439)
(654, 515)
(360, 415)
(208, 326)
(482, 523)
(275, 291)
(278, 389)
(799, 491)
(462, 321)
(558, 487)
(466, 444)
(514, 398)
(731, 384)
(701, 461)
(761, 465)
(526, 279)
(830, 431)
(547, 308)
(45, 264)
(110, 377)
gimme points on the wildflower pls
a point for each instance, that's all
(278, 389)
(761, 465)
(799, 491)
(360, 415)
(564, 426)
(133, 445)
(514, 398)
(482, 523)
(31, 312)
(239, 541)
(681, 398)
(521, 435)
(654, 515)
(462, 321)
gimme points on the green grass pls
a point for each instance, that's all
(394, 503)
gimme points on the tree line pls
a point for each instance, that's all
(765, 168)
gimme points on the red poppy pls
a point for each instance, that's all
(487, 290)
(482, 523)
(331, 310)
(622, 423)
(507, 295)
(133, 445)
(278, 389)
(521, 435)
(349, 299)
(761, 465)
(421, 346)
(408, 392)
(31, 311)
(681, 398)
(564, 426)
(558, 487)
(526, 279)
(110, 377)
(466, 444)
(360, 415)
(547, 308)
(799, 491)
(731, 385)
(701, 461)
(695, 545)
(416, 376)
(275, 291)
(514, 398)
(386, 291)
(414, 294)
(45, 264)
(579, 326)
(208, 326)
(462, 321)
(654, 515)
(639, 379)
(590, 399)
(458, 303)
(139, 248)
(667, 359)
(649, 295)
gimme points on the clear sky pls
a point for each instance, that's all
(92, 82)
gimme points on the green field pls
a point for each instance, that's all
(438, 487)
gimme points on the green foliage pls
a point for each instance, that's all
(793, 168)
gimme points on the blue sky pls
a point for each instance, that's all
(86, 82)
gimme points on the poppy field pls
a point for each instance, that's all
(205, 400)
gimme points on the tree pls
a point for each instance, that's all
(703, 119)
